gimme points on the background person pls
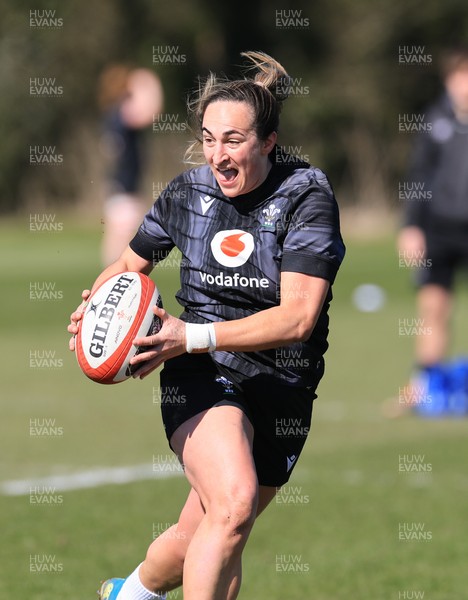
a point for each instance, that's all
(250, 222)
(435, 231)
(129, 99)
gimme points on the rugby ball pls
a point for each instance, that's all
(117, 312)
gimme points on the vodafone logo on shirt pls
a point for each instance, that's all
(233, 247)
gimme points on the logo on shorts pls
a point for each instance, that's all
(290, 460)
(228, 385)
(233, 247)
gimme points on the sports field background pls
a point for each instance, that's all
(350, 524)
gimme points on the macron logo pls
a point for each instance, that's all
(291, 460)
(206, 202)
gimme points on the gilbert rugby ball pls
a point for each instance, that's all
(117, 312)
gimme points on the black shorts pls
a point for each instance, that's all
(446, 254)
(280, 414)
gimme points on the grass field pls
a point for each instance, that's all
(349, 525)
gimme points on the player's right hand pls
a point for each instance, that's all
(76, 317)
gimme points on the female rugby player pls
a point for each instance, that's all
(260, 239)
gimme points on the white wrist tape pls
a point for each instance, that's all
(200, 337)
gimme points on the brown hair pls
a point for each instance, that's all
(453, 60)
(265, 93)
(112, 85)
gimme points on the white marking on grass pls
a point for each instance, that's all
(419, 480)
(90, 479)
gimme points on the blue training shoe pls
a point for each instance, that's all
(110, 589)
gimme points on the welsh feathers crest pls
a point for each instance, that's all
(269, 215)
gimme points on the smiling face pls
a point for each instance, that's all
(236, 156)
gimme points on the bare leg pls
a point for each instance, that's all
(215, 448)
(434, 307)
(163, 567)
(122, 216)
(164, 564)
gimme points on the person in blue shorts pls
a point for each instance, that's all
(260, 240)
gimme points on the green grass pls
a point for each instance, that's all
(348, 497)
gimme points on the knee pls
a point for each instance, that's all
(235, 510)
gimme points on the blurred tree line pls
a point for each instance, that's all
(344, 56)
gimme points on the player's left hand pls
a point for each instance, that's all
(168, 342)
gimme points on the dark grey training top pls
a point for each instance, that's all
(438, 177)
(234, 250)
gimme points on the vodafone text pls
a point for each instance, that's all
(235, 280)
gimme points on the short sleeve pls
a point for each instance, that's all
(313, 244)
(152, 241)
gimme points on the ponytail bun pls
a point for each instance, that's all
(269, 73)
(264, 93)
